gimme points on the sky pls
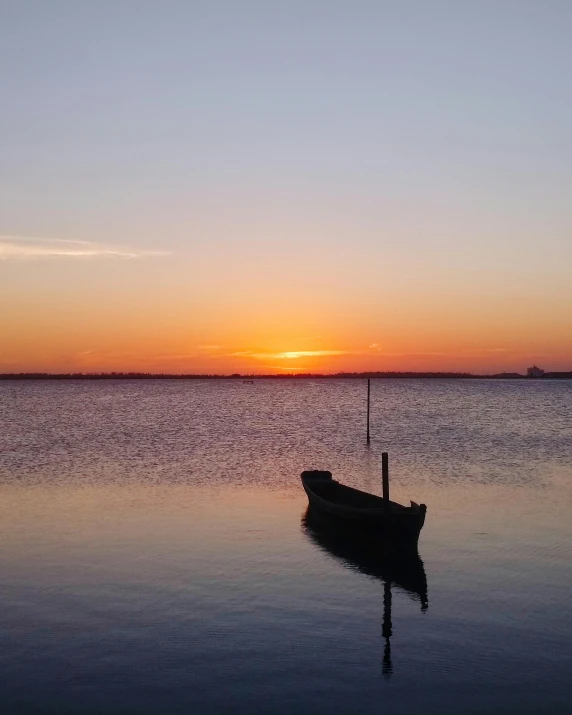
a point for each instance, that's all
(271, 187)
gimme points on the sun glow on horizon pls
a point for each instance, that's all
(295, 354)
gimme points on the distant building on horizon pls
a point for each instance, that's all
(534, 371)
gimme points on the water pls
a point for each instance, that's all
(156, 558)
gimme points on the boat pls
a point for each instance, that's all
(395, 523)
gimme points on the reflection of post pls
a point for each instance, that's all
(387, 667)
(368, 393)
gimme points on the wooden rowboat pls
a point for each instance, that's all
(394, 522)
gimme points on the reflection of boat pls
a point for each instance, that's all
(357, 552)
(398, 523)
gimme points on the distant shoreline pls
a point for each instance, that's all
(299, 376)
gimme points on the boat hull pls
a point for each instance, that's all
(351, 508)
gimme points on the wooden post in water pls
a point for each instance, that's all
(368, 393)
(385, 476)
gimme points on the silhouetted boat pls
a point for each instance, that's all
(378, 515)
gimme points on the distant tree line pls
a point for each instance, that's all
(289, 376)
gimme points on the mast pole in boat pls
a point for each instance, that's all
(385, 476)
(368, 394)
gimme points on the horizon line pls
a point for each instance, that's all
(121, 375)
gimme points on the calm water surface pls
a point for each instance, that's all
(156, 557)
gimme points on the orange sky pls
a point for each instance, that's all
(163, 314)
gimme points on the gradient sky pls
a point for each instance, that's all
(209, 186)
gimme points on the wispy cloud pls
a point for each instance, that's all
(169, 357)
(19, 248)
